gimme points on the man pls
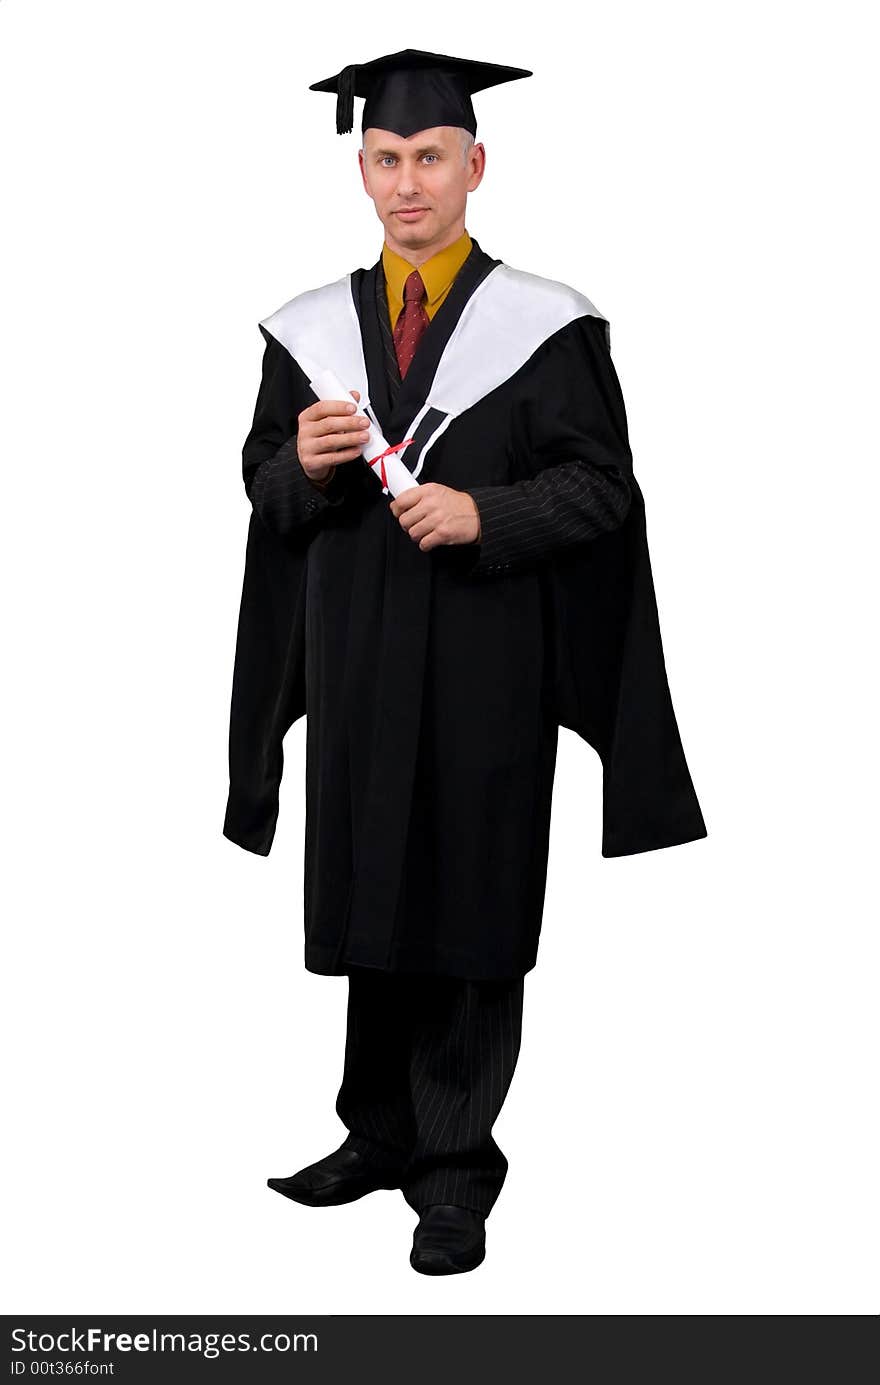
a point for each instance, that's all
(439, 623)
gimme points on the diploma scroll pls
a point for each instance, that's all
(384, 461)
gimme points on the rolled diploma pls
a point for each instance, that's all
(327, 385)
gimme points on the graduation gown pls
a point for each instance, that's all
(434, 682)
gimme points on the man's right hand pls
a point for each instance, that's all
(330, 432)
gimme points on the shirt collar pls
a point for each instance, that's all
(437, 273)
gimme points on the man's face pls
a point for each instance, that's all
(419, 185)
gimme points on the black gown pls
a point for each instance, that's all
(435, 682)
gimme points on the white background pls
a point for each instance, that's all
(692, 1127)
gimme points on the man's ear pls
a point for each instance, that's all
(478, 154)
(362, 166)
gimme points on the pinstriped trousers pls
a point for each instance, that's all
(428, 1063)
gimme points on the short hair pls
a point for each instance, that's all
(467, 143)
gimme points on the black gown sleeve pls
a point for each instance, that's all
(573, 436)
(281, 493)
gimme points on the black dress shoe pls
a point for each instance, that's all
(342, 1176)
(448, 1239)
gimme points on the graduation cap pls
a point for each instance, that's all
(412, 90)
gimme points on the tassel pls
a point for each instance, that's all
(345, 99)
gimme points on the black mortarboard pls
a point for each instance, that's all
(411, 90)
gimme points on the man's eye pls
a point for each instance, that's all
(389, 158)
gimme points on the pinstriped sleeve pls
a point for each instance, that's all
(281, 493)
(575, 443)
(523, 523)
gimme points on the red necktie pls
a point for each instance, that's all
(411, 323)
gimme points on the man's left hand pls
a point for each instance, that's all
(433, 514)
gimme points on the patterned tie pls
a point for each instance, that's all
(411, 324)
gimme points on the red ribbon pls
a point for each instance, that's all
(388, 450)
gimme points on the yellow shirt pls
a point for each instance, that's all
(438, 274)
